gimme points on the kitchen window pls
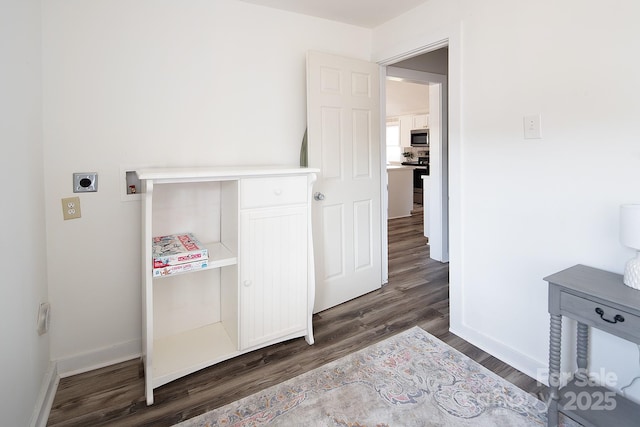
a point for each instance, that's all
(393, 134)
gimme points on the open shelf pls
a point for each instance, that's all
(181, 354)
(219, 256)
(589, 409)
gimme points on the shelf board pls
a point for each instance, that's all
(219, 256)
(181, 354)
(625, 413)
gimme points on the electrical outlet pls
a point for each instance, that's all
(71, 208)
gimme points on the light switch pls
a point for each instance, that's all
(532, 127)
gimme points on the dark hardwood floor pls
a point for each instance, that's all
(417, 294)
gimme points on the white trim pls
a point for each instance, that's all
(99, 358)
(523, 363)
(415, 76)
(45, 398)
(418, 46)
(384, 184)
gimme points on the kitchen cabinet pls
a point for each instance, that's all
(258, 288)
(420, 121)
(408, 123)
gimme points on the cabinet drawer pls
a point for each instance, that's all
(601, 316)
(274, 191)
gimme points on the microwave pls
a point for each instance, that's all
(420, 138)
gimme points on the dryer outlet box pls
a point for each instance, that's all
(85, 182)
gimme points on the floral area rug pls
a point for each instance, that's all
(410, 379)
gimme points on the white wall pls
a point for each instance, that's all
(406, 98)
(523, 209)
(25, 355)
(156, 82)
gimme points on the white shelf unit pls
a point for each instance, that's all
(258, 288)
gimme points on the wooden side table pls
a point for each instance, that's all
(599, 299)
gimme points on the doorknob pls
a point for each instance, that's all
(318, 196)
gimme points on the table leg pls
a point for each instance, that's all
(581, 350)
(555, 335)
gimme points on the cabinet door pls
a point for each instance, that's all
(406, 124)
(420, 121)
(273, 274)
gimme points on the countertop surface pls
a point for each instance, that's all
(398, 167)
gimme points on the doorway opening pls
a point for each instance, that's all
(416, 97)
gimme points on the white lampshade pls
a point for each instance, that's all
(630, 225)
(630, 236)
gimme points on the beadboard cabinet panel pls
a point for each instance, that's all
(274, 253)
(257, 285)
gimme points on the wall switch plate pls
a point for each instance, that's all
(85, 182)
(532, 127)
(43, 318)
(71, 208)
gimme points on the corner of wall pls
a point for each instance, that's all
(45, 398)
(501, 351)
(99, 358)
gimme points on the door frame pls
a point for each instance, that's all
(447, 36)
(439, 162)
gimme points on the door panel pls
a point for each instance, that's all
(331, 143)
(361, 144)
(273, 274)
(343, 114)
(332, 234)
(362, 220)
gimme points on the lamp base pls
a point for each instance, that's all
(632, 273)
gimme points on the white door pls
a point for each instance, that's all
(343, 117)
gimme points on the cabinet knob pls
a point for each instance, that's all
(277, 191)
(246, 283)
(318, 196)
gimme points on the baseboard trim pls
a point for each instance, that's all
(45, 398)
(99, 358)
(534, 368)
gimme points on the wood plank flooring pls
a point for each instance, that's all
(416, 295)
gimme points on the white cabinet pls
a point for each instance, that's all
(420, 121)
(406, 124)
(258, 288)
(410, 122)
(273, 247)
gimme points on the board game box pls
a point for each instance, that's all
(176, 249)
(179, 268)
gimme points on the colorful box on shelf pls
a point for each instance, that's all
(176, 249)
(180, 268)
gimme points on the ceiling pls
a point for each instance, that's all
(363, 13)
